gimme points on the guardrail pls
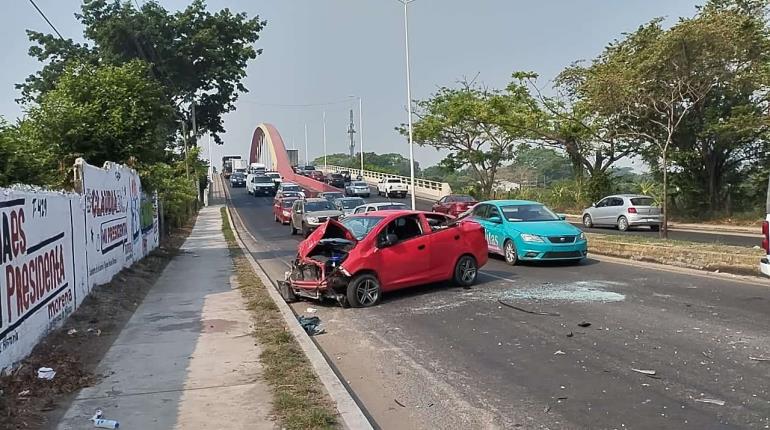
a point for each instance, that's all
(422, 187)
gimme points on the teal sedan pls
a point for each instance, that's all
(521, 230)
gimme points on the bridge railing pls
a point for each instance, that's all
(424, 188)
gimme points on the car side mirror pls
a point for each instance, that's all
(390, 239)
(495, 219)
(562, 217)
(593, 205)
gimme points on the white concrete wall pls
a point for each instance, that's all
(430, 190)
(55, 247)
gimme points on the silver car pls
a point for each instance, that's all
(380, 206)
(358, 189)
(348, 204)
(308, 214)
(624, 211)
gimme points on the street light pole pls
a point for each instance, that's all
(409, 99)
(307, 162)
(324, 121)
(361, 132)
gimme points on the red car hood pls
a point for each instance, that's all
(328, 230)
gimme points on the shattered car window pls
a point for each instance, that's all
(361, 226)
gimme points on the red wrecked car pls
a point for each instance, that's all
(357, 259)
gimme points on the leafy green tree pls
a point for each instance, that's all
(105, 113)
(25, 160)
(391, 163)
(545, 163)
(199, 57)
(477, 127)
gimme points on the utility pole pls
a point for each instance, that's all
(324, 121)
(361, 132)
(409, 98)
(352, 132)
(307, 162)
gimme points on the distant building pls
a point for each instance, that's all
(503, 185)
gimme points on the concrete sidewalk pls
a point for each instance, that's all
(186, 359)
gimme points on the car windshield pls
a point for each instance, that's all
(294, 188)
(332, 196)
(262, 179)
(351, 203)
(287, 203)
(360, 226)
(238, 175)
(463, 199)
(360, 184)
(273, 175)
(642, 201)
(336, 176)
(316, 206)
(526, 213)
(309, 167)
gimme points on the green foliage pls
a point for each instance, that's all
(105, 113)
(195, 54)
(477, 128)
(392, 163)
(25, 160)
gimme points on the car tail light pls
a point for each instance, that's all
(766, 234)
(632, 210)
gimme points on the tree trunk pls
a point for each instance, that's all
(664, 226)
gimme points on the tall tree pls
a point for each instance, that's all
(199, 57)
(479, 128)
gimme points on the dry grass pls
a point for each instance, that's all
(299, 400)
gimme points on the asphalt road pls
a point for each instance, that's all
(460, 359)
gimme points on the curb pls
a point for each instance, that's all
(726, 230)
(352, 415)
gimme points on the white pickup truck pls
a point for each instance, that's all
(764, 264)
(389, 187)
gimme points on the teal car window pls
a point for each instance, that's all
(528, 213)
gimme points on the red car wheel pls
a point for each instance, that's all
(364, 291)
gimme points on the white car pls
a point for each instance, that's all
(275, 176)
(764, 264)
(380, 206)
(392, 186)
(260, 185)
(291, 187)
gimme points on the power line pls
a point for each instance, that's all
(46, 19)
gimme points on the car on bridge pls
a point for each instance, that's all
(522, 230)
(275, 176)
(390, 187)
(348, 204)
(316, 175)
(260, 185)
(358, 188)
(335, 180)
(287, 188)
(237, 180)
(624, 211)
(454, 204)
(331, 195)
(282, 209)
(345, 176)
(361, 257)
(308, 214)
(380, 206)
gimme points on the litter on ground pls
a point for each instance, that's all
(312, 325)
(46, 373)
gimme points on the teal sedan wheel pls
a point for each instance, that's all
(510, 253)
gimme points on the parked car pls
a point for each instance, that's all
(238, 179)
(261, 185)
(282, 209)
(345, 176)
(454, 204)
(380, 206)
(361, 257)
(389, 187)
(290, 187)
(524, 230)
(358, 188)
(764, 264)
(624, 211)
(348, 204)
(308, 214)
(316, 175)
(331, 195)
(335, 180)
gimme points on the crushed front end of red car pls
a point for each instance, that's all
(316, 272)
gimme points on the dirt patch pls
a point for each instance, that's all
(75, 350)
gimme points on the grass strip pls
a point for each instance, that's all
(299, 400)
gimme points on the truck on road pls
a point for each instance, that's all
(240, 165)
(392, 186)
(227, 165)
(764, 264)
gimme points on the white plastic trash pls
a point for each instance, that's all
(46, 373)
(103, 423)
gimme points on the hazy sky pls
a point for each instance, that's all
(318, 51)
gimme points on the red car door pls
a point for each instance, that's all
(449, 241)
(407, 262)
(440, 206)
